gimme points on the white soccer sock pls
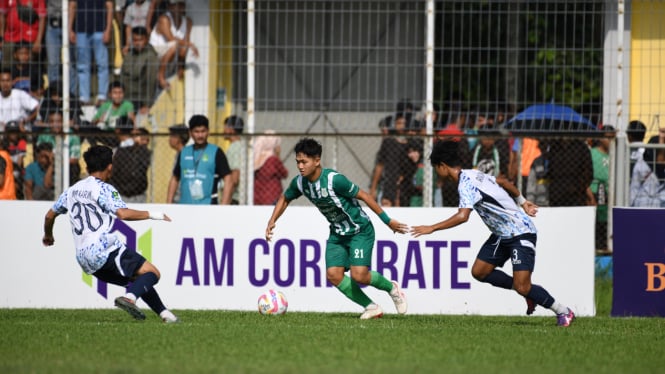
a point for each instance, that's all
(559, 308)
(130, 296)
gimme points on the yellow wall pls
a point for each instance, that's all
(221, 65)
(647, 76)
(169, 108)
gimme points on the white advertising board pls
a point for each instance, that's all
(215, 257)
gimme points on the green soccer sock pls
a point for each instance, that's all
(351, 290)
(379, 281)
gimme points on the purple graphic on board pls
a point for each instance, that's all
(639, 262)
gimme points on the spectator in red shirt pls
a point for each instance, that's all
(268, 169)
(21, 21)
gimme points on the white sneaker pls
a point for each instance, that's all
(398, 298)
(168, 317)
(372, 311)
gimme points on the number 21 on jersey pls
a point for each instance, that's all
(358, 253)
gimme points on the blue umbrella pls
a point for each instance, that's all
(549, 117)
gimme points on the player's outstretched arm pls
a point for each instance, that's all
(458, 218)
(530, 208)
(280, 207)
(394, 225)
(128, 214)
(49, 220)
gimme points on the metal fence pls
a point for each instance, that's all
(345, 72)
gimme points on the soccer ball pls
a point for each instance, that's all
(272, 303)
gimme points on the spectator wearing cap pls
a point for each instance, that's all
(15, 105)
(17, 147)
(233, 128)
(178, 138)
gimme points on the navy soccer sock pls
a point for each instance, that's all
(500, 279)
(540, 296)
(143, 284)
(151, 297)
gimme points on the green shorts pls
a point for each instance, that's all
(354, 250)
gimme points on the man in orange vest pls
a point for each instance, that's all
(7, 186)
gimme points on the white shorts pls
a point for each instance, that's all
(163, 48)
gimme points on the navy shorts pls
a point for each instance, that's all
(120, 270)
(521, 250)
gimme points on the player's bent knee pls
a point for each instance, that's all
(361, 277)
(334, 277)
(522, 288)
(479, 275)
(148, 267)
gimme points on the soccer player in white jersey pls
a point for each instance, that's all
(92, 205)
(351, 240)
(513, 234)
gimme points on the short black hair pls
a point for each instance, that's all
(415, 145)
(22, 45)
(140, 30)
(447, 152)
(54, 111)
(198, 120)
(124, 124)
(236, 123)
(308, 146)
(98, 158)
(181, 131)
(44, 146)
(54, 88)
(636, 131)
(116, 84)
(142, 131)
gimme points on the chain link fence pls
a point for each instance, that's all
(537, 92)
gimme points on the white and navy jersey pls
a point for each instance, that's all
(91, 205)
(494, 205)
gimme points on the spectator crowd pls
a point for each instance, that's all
(124, 52)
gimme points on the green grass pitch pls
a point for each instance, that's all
(109, 341)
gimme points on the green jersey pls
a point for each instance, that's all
(335, 197)
(600, 182)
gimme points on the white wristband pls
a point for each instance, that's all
(156, 215)
(520, 200)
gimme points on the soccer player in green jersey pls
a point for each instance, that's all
(351, 240)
